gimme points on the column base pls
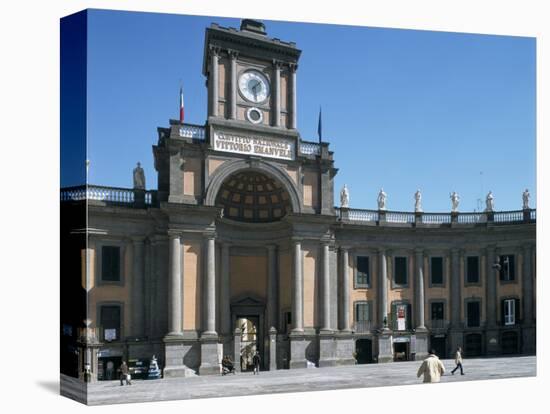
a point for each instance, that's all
(210, 363)
(529, 336)
(327, 348)
(298, 346)
(492, 342)
(421, 351)
(385, 353)
(272, 349)
(178, 355)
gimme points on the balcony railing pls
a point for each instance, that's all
(111, 195)
(354, 215)
(192, 131)
(310, 148)
(363, 326)
(88, 335)
(437, 324)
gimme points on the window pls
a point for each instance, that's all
(472, 269)
(362, 276)
(110, 263)
(400, 271)
(507, 268)
(401, 316)
(110, 322)
(437, 270)
(510, 311)
(362, 312)
(438, 311)
(473, 310)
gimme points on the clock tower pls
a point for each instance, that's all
(251, 78)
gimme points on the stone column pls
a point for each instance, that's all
(491, 289)
(298, 343)
(209, 338)
(294, 118)
(237, 349)
(138, 302)
(492, 333)
(297, 290)
(528, 326)
(210, 286)
(233, 93)
(225, 306)
(272, 349)
(455, 289)
(344, 310)
(276, 93)
(420, 323)
(527, 285)
(175, 299)
(215, 82)
(383, 288)
(272, 278)
(325, 275)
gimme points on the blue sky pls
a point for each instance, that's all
(402, 109)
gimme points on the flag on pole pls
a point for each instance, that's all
(181, 105)
(320, 127)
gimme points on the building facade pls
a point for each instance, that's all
(241, 249)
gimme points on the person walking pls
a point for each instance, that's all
(256, 360)
(124, 374)
(432, 368)
(458, 361)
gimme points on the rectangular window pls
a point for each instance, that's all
(400, 271)
(438, 311)
(472, 269)
(110, 322)
(110, 263)
(401, 316)
(509, 312)
(362, 278)
(362, 312)
(473, 310)
(507, 268)
(437, 270)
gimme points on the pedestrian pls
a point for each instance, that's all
(432, 368)
(124, 374)
(458, 361)
(256, 360)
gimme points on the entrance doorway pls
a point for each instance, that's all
(108, 368)
(250, 340)
(363, 351)
(510, 342)
(473, 345)
(439, 345)
(400, 351)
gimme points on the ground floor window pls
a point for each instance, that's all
(439, 344)
(474, 313)
(110, 322)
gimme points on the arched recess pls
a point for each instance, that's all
(231, 167)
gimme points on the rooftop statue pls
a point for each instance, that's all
(344, 197)
(526, 197)
(139, 178)
(455, 199)
(418, 201)
(382, 199)
(489, 202)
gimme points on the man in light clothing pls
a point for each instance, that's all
(432, 368)
(458, 361)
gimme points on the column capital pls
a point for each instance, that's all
(271, 247)
(209, 235)
(174, 234)
(277, 64)
(215, 50)
(293, 67)
(420, 251)
(138, 239)
(233, 54)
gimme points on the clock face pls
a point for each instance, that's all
(254, 86)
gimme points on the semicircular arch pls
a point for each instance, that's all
(231, 167)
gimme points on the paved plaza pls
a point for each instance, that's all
(312, 379)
